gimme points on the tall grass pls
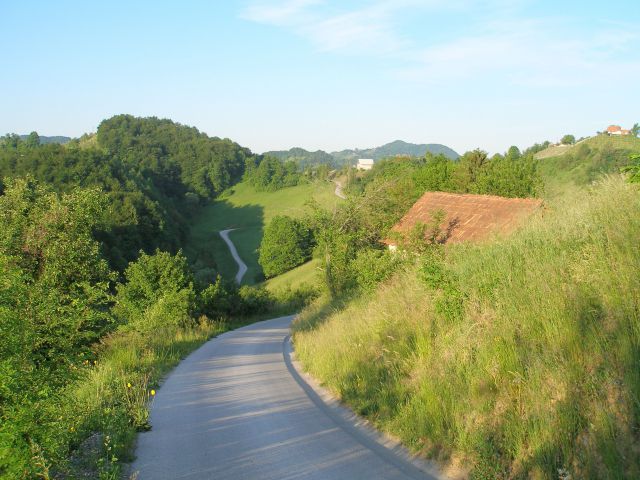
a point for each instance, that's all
(519, 358)
(95, 419)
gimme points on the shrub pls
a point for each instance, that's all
(158, 292)
(286, 244)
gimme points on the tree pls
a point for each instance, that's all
(33, 140)
(635, 130)
(513, 153)
(568, 140)
(286, 244)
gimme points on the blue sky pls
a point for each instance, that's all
(273, 74)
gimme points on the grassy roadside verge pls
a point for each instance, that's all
(516, 359)
(108, 403)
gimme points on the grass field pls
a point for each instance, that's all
(248, 211)
(306, 273)
(516, 359)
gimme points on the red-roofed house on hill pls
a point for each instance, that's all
(617, 130)
(467, 217)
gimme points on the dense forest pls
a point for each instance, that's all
(153, 172)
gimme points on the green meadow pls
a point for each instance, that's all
(248, 211)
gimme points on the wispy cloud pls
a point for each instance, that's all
(498, 39)
(288, 13)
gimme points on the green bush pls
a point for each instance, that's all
(158, 292)
(286, 244)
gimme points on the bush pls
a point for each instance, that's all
(286, 244)
(158, 292)
(253, 300)
(219, 299)
(373, 266)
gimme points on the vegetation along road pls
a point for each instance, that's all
(242, 267)
(237, 408)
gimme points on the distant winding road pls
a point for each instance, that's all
(242, 267)
(237, 408)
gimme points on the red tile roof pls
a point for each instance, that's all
(613, 128)
(469, 217)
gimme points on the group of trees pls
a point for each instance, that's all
(268, 173)
(154, 172)
(510, 175)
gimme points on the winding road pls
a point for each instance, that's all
(238, 408)
(242, 267)
(338, 191)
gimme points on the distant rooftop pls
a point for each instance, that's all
(469, 217)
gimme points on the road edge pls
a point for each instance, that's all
(359, 428)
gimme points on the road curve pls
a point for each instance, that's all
(237, 409)
(242, 267)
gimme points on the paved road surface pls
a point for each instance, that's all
(236, 409)
(242, 267)
(339, 193)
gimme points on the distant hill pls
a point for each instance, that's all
(393, 149)
(303, 157)
(44, 139)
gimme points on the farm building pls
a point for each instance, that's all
(617, 130)
(467, 217)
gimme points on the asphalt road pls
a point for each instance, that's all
(237, 409)
(242, 267)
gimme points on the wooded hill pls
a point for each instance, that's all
(304, 158)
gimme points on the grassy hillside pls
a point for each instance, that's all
(585, 162)
(304, 274)
(518, 359)
(248, 211)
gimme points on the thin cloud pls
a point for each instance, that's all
(291, 12)
(499, 41)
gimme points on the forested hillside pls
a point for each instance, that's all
(155, 173)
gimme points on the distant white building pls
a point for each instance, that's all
(365, 164)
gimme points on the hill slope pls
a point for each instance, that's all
(585, 162)
(518, 356)
(304, 157)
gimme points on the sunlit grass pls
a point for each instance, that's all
(111, 399)
(534, 376)
(248, 210)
